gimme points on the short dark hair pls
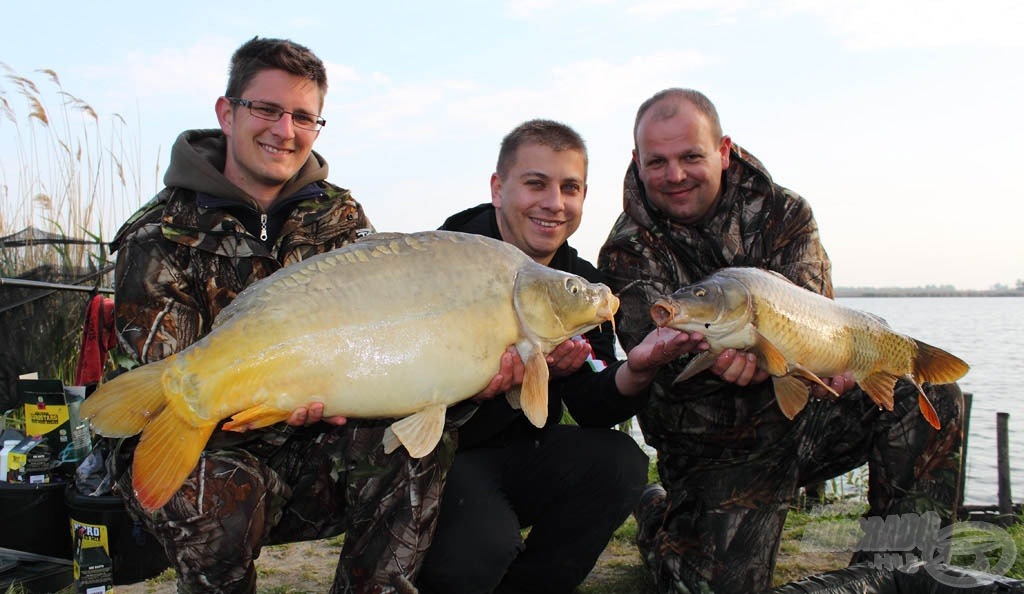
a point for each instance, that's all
(669, 109)
(554, 135)
(259, 54)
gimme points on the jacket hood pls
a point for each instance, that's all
(197, 163)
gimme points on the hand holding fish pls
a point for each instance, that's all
(568, 356)
(659, 347)
(313, 414)
(510, 373)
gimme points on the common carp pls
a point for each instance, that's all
(391, 326)
(796, 333)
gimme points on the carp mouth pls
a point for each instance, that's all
(663, 312)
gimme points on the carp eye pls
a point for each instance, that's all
(571, 286)
(707, 324)
(700, 292)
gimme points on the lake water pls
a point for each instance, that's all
(987, 333)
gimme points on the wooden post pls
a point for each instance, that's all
(1003, 452)
(959, 512)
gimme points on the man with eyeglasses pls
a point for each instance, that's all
(241, 202)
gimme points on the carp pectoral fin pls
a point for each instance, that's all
(696, 365)
(936, 366)
(124, 405)
(256, 417)
(167, 452)
(533, 394)
(809, 375)
(791, 394)
(879, 387)
(769, 358)
(419, 433)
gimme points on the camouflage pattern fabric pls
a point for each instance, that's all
(730, 462)
(179, 264)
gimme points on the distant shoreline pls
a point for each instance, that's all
(924, 292)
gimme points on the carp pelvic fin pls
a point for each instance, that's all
(255, 417)
(124, 405)
(769, 358)
(927, 410)
(791, 394)
(696, 365)
(167, 452)
(879, 387)
(936, 366)
(419, 433)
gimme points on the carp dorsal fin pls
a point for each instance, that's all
(769, 358)
(696, 365)
(936, 366)
(419, 432)
(167, 452)
(533, 394)
(879, 386)
(791, 394)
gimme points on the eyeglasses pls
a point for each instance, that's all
(273, 113)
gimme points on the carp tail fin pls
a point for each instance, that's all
(123, 406)
(936, 366)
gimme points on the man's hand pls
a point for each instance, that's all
(663, 345)
(840, 383)
(568, 356)
(312, 414)
(738, 367)
(510, 373)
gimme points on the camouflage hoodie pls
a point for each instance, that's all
(755, 222)
(187, 253)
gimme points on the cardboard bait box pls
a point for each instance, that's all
(93, 566)
(46, 412)
(30, 461)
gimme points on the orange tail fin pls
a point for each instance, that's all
(168, 450)
(936, 366)
(124, 405)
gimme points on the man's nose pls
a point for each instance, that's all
(553, 200)
(675, 172)
(284, 127)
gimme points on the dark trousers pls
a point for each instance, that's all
(719, 526)
(572, 486)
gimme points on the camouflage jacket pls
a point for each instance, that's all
(754, 223)
(186, 254)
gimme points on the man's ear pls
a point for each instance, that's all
(725, 150)
(495, 190)
(636, 158)
(224, 109)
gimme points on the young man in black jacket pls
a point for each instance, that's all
(571, 484)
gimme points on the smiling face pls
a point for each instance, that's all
(540, 199)
(262, 155)
(681, 160)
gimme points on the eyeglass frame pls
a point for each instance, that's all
(250, 103)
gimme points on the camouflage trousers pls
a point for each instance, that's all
(317, 482)
(716, 525)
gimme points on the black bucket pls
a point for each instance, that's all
(135, 554)
(34, 519)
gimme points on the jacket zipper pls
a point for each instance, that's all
(263, 226)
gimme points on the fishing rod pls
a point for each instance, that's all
(31, 284)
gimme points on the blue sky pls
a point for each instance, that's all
(901, 121)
